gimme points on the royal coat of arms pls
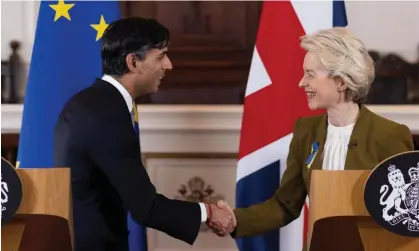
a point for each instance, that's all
(402, 201)
(4, 194)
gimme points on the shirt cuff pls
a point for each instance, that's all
(204, 214)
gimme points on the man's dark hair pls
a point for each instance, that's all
(130, 35)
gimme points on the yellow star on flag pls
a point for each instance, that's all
(100, 27)
(61, 9)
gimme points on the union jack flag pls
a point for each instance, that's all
(273, 102)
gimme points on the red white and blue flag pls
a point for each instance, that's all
(273, 102)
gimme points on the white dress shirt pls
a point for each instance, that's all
(336, 146)
(128, 100)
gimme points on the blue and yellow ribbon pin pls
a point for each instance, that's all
(312, 156)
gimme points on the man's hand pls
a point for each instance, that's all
(222, 220)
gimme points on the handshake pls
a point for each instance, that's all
(221, 218)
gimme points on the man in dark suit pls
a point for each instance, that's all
(95, 136)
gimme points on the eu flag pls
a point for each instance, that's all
(65, 59)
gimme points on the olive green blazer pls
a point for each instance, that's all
(373, 139)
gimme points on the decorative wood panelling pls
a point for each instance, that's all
(396, 79)
(188, 178)
(211, 48)
(200, 24)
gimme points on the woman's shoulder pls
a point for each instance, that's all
(312, 121)
(384, 125)
(391, 137)
(389, 132)
(310, 124)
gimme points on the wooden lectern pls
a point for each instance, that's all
(44, 218)
(339, 220)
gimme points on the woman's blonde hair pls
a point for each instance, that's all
(344, 56)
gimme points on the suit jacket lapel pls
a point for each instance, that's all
(118, 101)
(320, 139)
(359, 132)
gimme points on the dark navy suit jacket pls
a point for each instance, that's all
(95, 138)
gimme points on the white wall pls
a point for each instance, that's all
(387, 26)
(18, 22)
(382, 25)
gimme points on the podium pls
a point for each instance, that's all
(44, 218)
(339, 220)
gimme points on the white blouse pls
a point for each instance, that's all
(336, 146)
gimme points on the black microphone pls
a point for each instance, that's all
(352, 145)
